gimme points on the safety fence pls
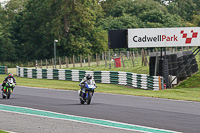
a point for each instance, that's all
(3, 69)
(141, 81)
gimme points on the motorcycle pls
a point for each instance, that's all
(8, 88)
(85, 95)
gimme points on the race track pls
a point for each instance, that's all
(180, 116)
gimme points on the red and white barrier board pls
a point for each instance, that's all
(163, 37)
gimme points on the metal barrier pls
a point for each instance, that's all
(141, 81)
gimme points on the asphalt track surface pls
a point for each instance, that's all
(175, 115)
(19, 123)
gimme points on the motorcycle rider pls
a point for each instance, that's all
(87, 78)
(6, 79)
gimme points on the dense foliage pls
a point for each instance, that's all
(28, 28)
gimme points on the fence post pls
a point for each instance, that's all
(41, 64)
(46, 64)
(129, 55)
(88, 60)
(132, 57)
(66, 61)
(97, 60)
(142, 54)
(70, 61)
(60, 62)
(145, 62)
(36, 64)
(146, 59)
(114, 59)
(81, 60)
(73, 61)
(122, 59)
(52, 63)
(105, 60)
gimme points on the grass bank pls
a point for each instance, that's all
(190, 94)
(192, 82)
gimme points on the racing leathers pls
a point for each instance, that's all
(6, 79)
(89, 81)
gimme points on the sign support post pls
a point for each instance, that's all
(109, 60)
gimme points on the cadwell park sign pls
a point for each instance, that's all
(177, 65)
(163, 37)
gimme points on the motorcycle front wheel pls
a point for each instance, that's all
(3, 95)
(8, 93)
(81, 101)
(89, 97)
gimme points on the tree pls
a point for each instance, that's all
(122, 22)
(139, 14)
(7, 51)
(72, 22)
(82, 28)
(186, 9)
(107, 4)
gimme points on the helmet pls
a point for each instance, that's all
(10, 75)
(88, 77)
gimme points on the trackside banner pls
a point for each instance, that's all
(164, 37)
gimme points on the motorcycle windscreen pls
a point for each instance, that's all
(90, 82)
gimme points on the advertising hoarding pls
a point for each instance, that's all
(163, 37)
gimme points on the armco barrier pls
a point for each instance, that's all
(141, 81)
(3, 70)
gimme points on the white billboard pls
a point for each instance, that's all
(163, 37)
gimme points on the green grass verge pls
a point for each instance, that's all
(179, 94)
(137, 69)
(3, 131)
